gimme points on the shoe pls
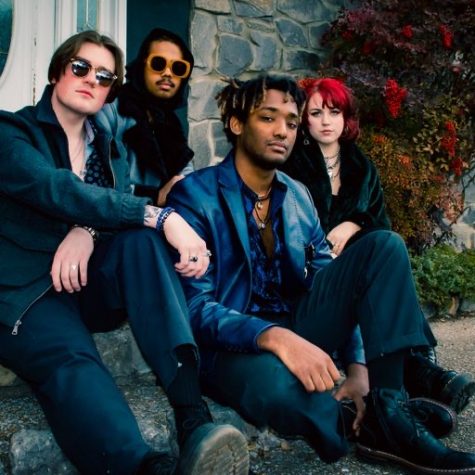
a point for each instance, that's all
(439, 419)
(214, 449)
(207, 448)
(422, 378)
(428, 352)
(156, 463)
(391, 433)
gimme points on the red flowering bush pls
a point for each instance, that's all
(393, 97)
(411, 66)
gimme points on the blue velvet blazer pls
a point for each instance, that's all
(210, 200)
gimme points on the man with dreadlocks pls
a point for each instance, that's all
(273, 305)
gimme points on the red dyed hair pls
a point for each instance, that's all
(334, 94)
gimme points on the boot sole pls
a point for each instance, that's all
(458, 392)
(367, 454)
(218, 450)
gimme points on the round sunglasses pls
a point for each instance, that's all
(81, 68)
(179, 67)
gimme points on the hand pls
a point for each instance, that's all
(307, 362)
(340, 234)
(194, 257)
(69, 269)
(163, 193)
(355, 387)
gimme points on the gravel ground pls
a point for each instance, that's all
(456, 350)
(269, 455)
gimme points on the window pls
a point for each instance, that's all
(6, 19)
(86, 15)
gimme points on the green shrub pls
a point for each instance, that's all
(442, 273)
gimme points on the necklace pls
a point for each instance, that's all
(333, 169)
(262, 222)
(331, 157)
(262, 198)
(77, 157)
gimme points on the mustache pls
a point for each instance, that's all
(165, 81)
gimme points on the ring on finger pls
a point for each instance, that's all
(193, 258)
(73, 267)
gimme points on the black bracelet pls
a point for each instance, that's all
(94, 234)
(163, 215)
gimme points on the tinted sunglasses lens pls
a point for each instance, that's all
(179, 68)
(104, 78)
(158, 64)
(80, 68)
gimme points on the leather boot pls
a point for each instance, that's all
(207, 448)
(422, 378)
(440, 420)
(391, 433)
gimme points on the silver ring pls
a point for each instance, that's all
(73, 266)
(207, 253)
(193, 258)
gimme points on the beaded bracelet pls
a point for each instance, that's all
(94, 234)
(163, 215)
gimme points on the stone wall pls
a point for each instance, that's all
(242, 38)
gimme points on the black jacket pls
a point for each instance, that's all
(41, 198)
(360, 198)
(159, 146)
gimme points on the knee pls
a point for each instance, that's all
(387, 241)
(142, 242)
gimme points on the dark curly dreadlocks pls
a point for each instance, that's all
(241, 98)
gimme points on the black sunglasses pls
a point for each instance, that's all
(81, 68)
(179, 67)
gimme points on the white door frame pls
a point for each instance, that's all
(39, 27)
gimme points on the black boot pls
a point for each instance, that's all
(391, 433)
(207, 448)
(422, 378)
(439, 419)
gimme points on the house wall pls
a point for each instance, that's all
(241, 38)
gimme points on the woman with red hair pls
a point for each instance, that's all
(347, 193)
(343, 182)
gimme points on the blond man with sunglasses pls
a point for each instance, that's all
(79, 253)
(144, 114)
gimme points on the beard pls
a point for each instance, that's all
(263, 162)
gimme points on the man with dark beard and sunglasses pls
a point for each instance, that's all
(144, 114)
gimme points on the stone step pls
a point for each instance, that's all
(27, 445)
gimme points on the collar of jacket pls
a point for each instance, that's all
(105, 143)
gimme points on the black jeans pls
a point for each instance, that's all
(370, 283)
(130, 276)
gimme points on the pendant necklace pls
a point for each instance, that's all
(262, 222)
(79, 156)
(333, 169)
(262, 198)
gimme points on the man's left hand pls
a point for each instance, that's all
(355, 387)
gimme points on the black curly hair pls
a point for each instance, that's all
(240, 98)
